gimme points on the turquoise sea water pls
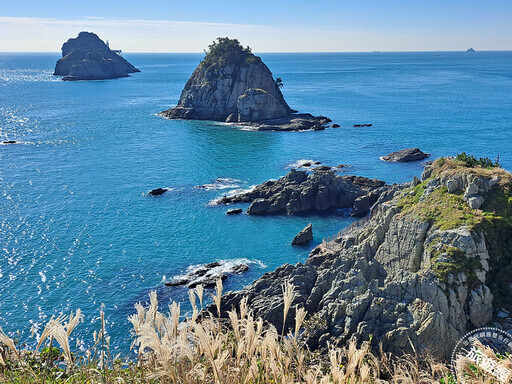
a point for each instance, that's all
(77, 228)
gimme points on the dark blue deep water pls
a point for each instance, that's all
(77, 229)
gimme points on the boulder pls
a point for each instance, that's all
(335, 126)
(361, 206)
(257, 104)
(235, 211)
(10, 142)
(87, 57)
(406, 155)
(304, 236)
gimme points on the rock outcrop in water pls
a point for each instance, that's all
(304, 236)
(208, 274)
(421, 272)
(299, 192)
(233, 85)
(87, 57)
(406, 155)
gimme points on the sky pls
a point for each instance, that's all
(265, 25)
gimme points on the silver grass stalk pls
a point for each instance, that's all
(288, 296)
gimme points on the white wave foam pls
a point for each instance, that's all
(221, 183)
(231, 193)
(226, 266)
(300, 164)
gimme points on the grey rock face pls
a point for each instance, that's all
(304, 236)
(299, 192)
(380, 281)
(87, 57)
(405, 155)
(256, 104)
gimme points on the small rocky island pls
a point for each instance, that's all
(233, 85)
(87, 57)
(406, 155)
(299, 192)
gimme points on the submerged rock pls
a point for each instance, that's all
(304, 236)
(411, 280)
(233, 85)
(299, 192)
(406, 155)
(157, 191)
(235, 211)
(87, 57)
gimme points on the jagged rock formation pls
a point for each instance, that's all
(406, 155)
(300, 192)
(304, 236)
(424, 270)
(233, 85)
(208, 274)
(87, 57)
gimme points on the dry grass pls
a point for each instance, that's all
(451, 166)
(200, 350)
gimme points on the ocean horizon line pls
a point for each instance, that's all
(280, 52)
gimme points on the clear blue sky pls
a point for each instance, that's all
(266, 25)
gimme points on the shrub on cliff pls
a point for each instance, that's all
(226, 51)
(471, 161)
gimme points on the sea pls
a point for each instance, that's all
(78, 229)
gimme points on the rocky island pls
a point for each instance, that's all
(233, 85)
(299, 192)
(87, 57)
(426, 268)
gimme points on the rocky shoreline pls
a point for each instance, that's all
(410, 280)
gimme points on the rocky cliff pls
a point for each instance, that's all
(87, 57)
(231, 84)
(300, 192)
(432, 262)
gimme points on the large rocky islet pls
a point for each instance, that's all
(87, 57)
(233, 85)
